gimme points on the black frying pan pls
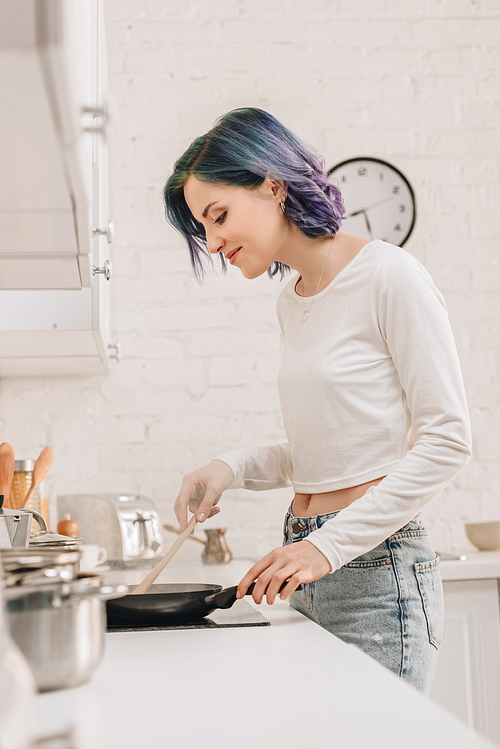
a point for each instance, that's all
(172, 602)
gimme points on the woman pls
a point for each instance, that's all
(370, 385)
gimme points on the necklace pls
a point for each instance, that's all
(305, 314)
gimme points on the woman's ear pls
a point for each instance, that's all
(275, 185)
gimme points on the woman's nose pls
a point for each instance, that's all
(215, 243)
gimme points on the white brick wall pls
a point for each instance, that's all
(412, 82)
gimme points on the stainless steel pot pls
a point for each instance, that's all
(60, 628)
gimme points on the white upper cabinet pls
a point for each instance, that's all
(53, 110)
(54, 196)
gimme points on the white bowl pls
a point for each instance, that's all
(485, 536)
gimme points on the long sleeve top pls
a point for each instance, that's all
(370, 385)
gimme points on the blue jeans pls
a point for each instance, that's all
(388, 602)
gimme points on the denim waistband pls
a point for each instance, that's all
(297, 525)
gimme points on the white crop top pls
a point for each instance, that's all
(370, 385)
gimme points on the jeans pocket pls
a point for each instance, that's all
(430, 587)
(362, 564)
(380, 556)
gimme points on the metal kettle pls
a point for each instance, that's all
(15, 526)
(216, 550)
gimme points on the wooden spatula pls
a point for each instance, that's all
(7, 465)
(151, 577)
(41, 469)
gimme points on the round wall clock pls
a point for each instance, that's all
(379, 200)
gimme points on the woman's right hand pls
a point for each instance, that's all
(201, 491)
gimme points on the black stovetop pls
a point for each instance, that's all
(241, 614)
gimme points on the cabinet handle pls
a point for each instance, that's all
(96, 112)
(109, 231)
(105, 270)
(118, 350)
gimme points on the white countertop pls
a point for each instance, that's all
(480, 565)
(288, 685)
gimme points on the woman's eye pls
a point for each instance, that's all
(221, 218)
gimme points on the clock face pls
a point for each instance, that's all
(379, 201)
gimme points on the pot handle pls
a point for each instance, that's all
(63, 593)
(108, 592)
(39, 519)
(105, 593)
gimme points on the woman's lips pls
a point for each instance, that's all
(231, 259)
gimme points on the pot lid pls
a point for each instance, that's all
(19, 557)
(47, 538)
(56, 594)
(81, 586)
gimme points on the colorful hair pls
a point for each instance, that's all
(244, 147)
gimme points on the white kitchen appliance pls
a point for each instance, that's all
(127, 526)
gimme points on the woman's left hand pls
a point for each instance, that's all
(302, 562)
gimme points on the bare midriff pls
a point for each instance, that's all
(308, 505)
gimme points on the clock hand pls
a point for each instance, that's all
(374, 205)
(368, 224)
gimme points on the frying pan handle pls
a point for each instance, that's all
(227, 597)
